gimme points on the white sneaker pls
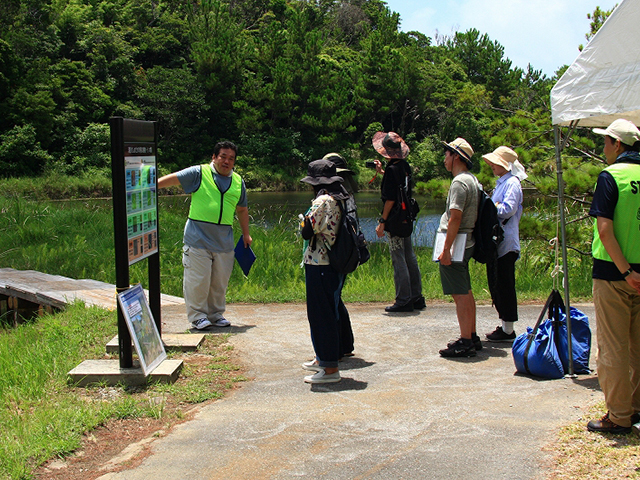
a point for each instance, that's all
(222, 322)
(323, 377)
(312, 365)
(201, 323)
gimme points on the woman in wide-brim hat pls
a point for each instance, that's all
(323, 284)
(502, 274)
(390, 145)
(406, 272)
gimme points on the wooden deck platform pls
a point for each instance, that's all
(55, 291)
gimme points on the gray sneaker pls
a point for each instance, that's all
(201, 324)
(222, 322)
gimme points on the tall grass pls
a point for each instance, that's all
(34, 360)
(75, 239)
(41, 416)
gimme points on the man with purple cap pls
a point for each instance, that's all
(616, 278)
(397, 174)
(460, 217)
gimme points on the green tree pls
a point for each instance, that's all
(598, 17)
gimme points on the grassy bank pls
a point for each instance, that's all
(75, 239)
(43, 417)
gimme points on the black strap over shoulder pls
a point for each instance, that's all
(554, 306)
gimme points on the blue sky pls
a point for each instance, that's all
(545, 33)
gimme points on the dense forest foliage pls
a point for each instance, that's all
(288, 80)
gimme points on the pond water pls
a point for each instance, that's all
(284, 207)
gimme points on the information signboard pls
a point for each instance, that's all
(135, 214)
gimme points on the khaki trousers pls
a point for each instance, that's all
(617, 307)
(206, 277)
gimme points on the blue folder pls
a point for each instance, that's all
(244, 256)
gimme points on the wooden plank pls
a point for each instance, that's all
(58, 291)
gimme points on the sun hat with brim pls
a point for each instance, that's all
(502, 156)
(390, 145)
(321, 172)
(461, 147)
(338, 161)
(507, 159)
(622, 130)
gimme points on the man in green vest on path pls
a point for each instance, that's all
(217, 193)
(616, 281)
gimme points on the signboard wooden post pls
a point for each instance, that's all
(135, 214)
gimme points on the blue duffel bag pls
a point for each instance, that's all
(542, 351)
(580, 341)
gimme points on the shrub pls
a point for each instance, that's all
(21, 154)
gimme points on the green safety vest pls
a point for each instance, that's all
(626, 216)
(209, 204)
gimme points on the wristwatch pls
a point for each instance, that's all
(627, 273)
(381, 220)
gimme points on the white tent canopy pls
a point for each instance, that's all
(603, 83)
(600, 86)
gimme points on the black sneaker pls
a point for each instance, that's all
(474, 338)
(498, 335)
(419, 304)
(399, 308)
(459, 349)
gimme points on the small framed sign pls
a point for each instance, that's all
(142, 328)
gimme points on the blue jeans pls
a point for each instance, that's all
(324, 286)
(406, 273)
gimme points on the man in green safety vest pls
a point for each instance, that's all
(616, 281)
(217, 194)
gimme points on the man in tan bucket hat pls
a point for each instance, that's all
(459, 218)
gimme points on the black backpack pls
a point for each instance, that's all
(350, 248)
(487, 231)
(404, 211)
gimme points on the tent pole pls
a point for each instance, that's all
(565, 266)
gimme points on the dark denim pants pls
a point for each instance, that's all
(324, 286)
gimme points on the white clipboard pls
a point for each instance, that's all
(457, 249)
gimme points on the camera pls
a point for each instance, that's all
(370, 165)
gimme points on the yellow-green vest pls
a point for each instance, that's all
(209, 204)
(626, 216)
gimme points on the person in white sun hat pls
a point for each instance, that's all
(501, 274)
(616, 281)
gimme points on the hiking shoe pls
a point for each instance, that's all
(604, 425)
(459, 349)
(477, 344)
(420, 304)
(312, 365)
(201, 324)
(399, 308)
(498, 335)
(323, 377)
(222, 322)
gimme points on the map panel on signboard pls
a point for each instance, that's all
(142, 211)
(142, 328)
